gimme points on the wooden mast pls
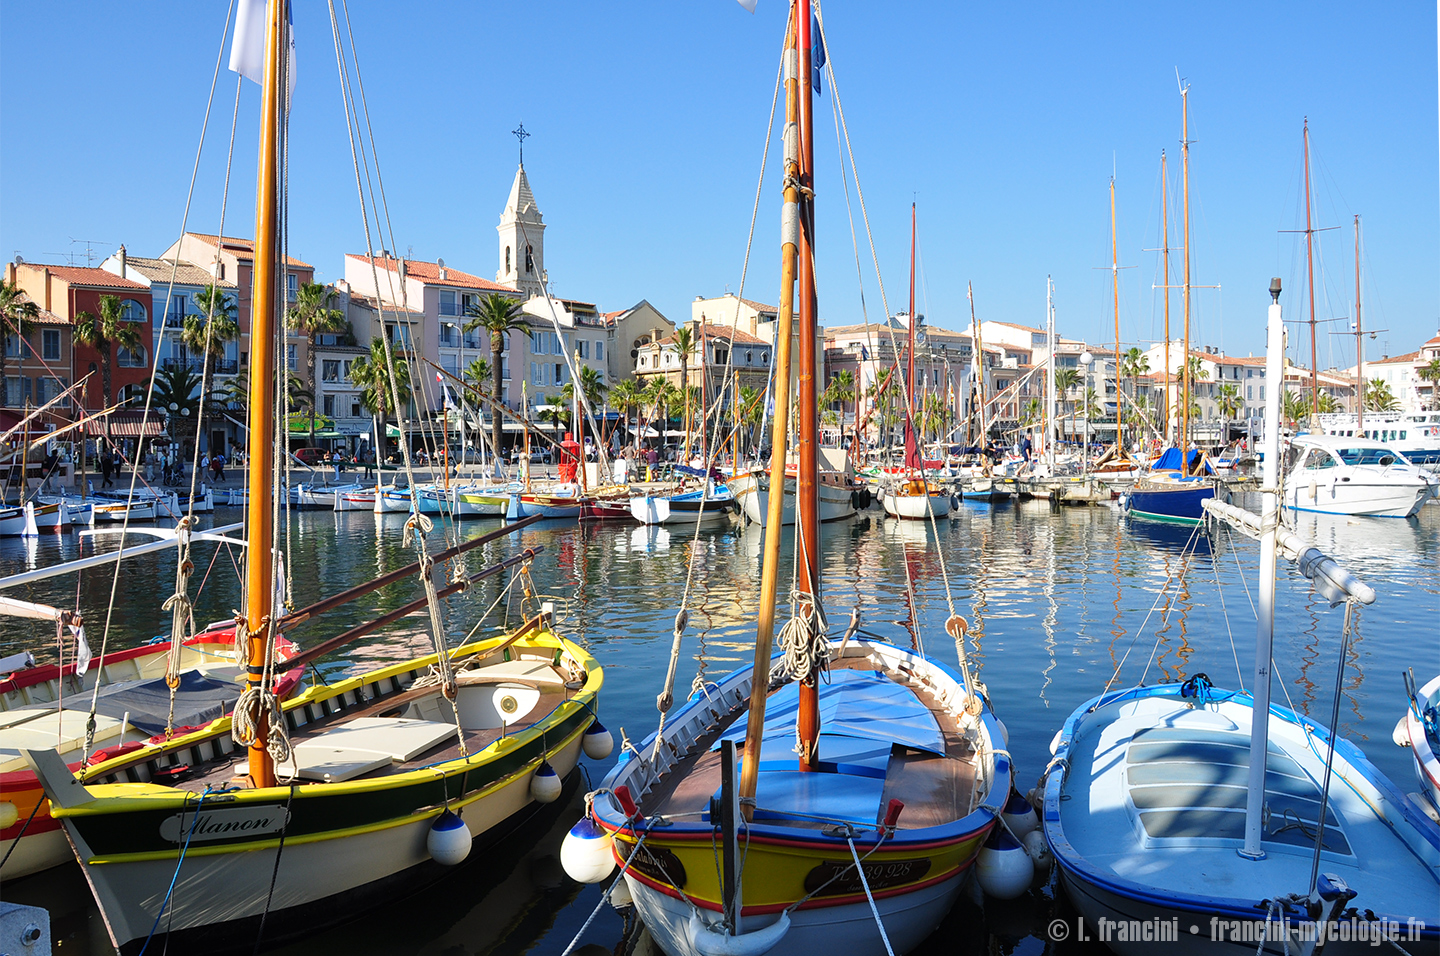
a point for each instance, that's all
(1310, 280)
(1185, 350)
(807, 500)
(1115, 285)
(264, 323)
(775, 503)
(1359, 340)
(1165, 266)
(979, 346)
(910, 341)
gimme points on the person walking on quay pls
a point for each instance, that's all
(652, 458)
(107, 467)
(1025, 447)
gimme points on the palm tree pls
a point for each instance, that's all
(176, 390)
(1379, 398)
(1430, 373)
(208, 334)
(1328, 403)
(16, 314)
(1294, 406)
(1065, 380)
(629, 395)
(372, 373)
(751, 411)
(1030, 414)
(314, 314)
(662, 397)
(103, 334)
(556, 409)
(1133, 364)
(499, 315)
(477, 374)
(1229, 400)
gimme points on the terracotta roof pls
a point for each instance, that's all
(1407, 358)
(1434, 341)
(159, 270)
(429, 272)
(246, 246)
(83, 275)
(374, 305)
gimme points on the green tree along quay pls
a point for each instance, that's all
(1379, 398)
(498, 315)
(207, 336)
(314, 314)
(1430, 373)
(372, 374)
(17, 312)
(105, 333)
(628, 395)
(1229, 400)
(178, 386)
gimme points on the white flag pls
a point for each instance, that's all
(748, 4)
(247, 48)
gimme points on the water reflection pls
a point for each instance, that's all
(1039, 586)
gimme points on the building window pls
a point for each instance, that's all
(14, 345)
(354, 408)
(529, 259)
(447, 302)
(330, 371)
(50, 344)
(329, 405)
(507, 260)
(292, 285)
(584, 347)
(128, 359)
(468, 302)
(644, 361)
(290, 356)
(132, 311)
(345, 370)
(749, 358)
(535, 373)
(559, 374)
(764, 357)
(599, 351)
(1249, 392)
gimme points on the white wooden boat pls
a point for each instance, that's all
(915, 500)
(839, 497)
(483, 500)
(707, 508)
(358, 499)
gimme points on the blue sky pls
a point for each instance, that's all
(1002, 121)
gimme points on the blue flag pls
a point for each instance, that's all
(817, 54)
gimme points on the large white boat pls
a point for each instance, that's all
(1416, 435)
(1353, 476)
(840, 495)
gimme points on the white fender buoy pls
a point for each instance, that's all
(587, 854)
(1019, 815)
(545, 785)
(448, 840)
(1055, 743)
(9, 813)
(1039, 851)
(620, 896)
(597, 742)
(709, 941)
(1401, 733)
(1003, 868)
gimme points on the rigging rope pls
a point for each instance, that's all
(149, 394)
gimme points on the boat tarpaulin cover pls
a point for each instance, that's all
(1169, 460)
(198, 700)
(855, 704)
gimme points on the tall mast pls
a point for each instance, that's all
(1310, 280)
(979, 344)
(1050, 429)
(1165, 266)
(807, 501)
(1115, 285)
(1265, 613)
(1185, 351)
(264, 316)
(1359, 341)
(910, 343)
(785, 322)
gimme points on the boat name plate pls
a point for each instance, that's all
(224, 824)
(881, 875)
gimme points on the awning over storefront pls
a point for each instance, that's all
(126, 425)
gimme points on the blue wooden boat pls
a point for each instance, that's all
(1166, 493)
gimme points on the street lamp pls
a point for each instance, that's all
(1085, 359)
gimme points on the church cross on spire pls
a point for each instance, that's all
(520, 134)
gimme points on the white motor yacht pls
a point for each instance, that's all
(1353, 476)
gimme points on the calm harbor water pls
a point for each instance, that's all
(1057, 600)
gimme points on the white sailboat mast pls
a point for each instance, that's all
(1050, 425)
(1265, 613)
